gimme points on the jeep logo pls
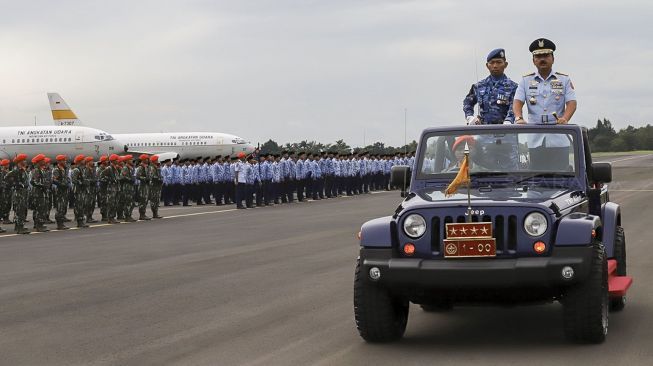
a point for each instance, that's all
(476, 212)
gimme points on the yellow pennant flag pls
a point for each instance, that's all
(461, 178)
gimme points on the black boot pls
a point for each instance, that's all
(143, 217)
(61, 226)
(81, 224)
(42, 229)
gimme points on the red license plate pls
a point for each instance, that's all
(485, 247)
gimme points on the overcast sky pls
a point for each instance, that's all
(315, 70)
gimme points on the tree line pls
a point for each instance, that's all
(340, 146)
(603, 137)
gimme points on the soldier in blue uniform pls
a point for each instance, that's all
(494, 94)
(551, 100)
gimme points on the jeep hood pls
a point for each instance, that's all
(557, 199)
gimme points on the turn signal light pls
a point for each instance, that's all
(409, 249)
(593, 233)
(539, 247)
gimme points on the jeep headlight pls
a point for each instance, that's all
(535, 224)
(414, 226)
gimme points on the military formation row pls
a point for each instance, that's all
(117, 184)
(276, 178)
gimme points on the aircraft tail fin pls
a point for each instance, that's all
(61, 112)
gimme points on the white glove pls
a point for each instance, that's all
(473, 120)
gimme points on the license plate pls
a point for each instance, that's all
(485, 247)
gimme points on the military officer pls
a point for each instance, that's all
(5, 193)
(77, 177)
(143, 177)
(38, 184)
(91, 189)
(240, 180)
(156, 184)
(19, 181)
(109, 178)
(550, 99)
(60, 184)
(102, 187)
(127, 188)
(494, 94)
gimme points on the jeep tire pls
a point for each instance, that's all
(380, 316)
(585, 305)
(618, 303)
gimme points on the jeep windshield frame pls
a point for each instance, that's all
(500, 154)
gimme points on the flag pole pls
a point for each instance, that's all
(469, 197)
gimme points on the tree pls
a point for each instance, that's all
(270, 147)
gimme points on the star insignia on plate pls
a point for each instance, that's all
(464, 230)
(484, 230)
(453, 231)
(474, 230)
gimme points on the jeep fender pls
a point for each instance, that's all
(576, 229)
(377, 233)
(611, 214)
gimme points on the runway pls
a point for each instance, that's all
(212, 285)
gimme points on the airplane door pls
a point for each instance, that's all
(78, 140)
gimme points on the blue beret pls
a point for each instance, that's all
(496, 53)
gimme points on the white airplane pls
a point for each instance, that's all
(56, 140)
(183, 145)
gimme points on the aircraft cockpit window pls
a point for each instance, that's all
(238, 141)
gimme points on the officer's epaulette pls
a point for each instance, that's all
(559, 73)
(531, 74)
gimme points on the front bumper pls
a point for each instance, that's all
(476, 272)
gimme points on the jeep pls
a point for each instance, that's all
(531, 224)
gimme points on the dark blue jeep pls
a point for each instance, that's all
(534, 224)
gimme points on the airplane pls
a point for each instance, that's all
(167, 145)
(56, 140)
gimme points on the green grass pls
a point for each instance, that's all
(609, 153)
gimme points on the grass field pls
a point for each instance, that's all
(637, 152)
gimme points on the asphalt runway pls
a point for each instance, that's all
(273, 286)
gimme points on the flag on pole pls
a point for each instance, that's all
(461, 178)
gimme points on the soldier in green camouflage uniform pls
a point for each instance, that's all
(5, 194)
(17, 178)
(47, 177)
(60, 183)
(91, 190)
(102, 188)
(37, 181)
(143, 176)
(77, 177)
(127, 189)
(109, 178)
(155, 186)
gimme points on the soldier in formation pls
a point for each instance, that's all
(116, 184)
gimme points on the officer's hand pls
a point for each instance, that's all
(473, 120)
(562, 121)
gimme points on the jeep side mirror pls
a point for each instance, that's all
(602, 172)
(400, 178)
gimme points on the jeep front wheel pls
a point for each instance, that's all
(586, 304)
(380, 316)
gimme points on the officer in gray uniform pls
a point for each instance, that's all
(551, 100)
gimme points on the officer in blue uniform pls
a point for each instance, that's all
(550, 99)
(494, 94)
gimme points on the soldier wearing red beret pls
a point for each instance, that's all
(60, 184)
(80, 185)
(38, 193)
(143, 177)
(156, 185)
(5, 193)
(19, 180)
